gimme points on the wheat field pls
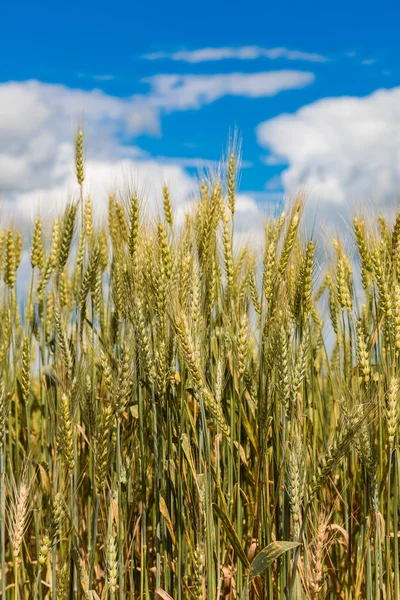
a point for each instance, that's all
(173, 421)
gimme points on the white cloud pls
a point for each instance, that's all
(37, 120)
(183, 92)
(249, 221)
(340, 150)
(37, 126)
(37, 123)
(104, 177)
(241, 53)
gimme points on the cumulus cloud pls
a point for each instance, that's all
(37, 120)
(104, 177)
(240, 53)
(37, 126)
(37, 123)
(341, 150)
(183, 92)
(248, 215)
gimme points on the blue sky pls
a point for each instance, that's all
(310, 88)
